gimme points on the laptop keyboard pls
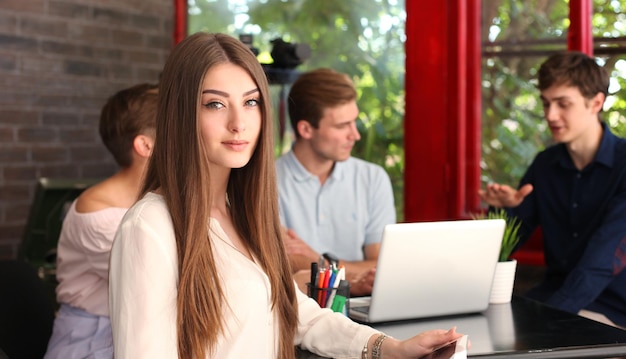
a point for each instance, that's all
(362, 309)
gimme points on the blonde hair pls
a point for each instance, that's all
(252, 194)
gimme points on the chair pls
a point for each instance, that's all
(52, 200)
(26, 312)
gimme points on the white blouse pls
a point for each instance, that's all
(143, 288)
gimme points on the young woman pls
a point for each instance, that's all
(198, 267)
(82, 328)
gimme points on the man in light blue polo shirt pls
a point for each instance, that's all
(331, 203)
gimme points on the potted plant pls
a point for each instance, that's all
(504, 277)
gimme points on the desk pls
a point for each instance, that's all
(521, 329)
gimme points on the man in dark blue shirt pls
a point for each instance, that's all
(576, 191)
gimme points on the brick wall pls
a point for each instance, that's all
(59, 62)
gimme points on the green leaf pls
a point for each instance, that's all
(510, 237)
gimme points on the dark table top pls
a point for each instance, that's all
(522, 328)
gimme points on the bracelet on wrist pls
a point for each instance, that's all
(364, 352)
(377, 347)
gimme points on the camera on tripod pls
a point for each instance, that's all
(286, 56)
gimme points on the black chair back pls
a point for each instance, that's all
(26, 312)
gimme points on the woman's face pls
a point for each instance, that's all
(230, 115)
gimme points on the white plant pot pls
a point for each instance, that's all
(503, 280)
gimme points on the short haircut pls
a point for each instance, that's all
(127, 114)
(315, 91)
(572, 68)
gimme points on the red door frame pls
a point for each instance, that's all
(443, 104)
(442, 118)
(580, 35)
(180, 21)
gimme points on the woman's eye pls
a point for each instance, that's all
(252, 102)
(214, 105)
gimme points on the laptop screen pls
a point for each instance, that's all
(429, 269)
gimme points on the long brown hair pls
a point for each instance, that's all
(179, 168)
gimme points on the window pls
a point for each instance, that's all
(516, 39)
(364, 39)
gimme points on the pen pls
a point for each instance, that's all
(339, 302)
(313, 283)
(320, 285)
(326, 291)
(329, 294)
(333, 283)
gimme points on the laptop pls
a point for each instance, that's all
(430, 269)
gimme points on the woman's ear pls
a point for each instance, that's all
(143, 144)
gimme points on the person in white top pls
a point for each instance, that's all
(198, 268)
(82, 327)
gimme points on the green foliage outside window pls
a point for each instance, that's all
(365, 39)
(517, 36)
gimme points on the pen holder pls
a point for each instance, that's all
(336, 298)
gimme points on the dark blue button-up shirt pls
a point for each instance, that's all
(583, 218)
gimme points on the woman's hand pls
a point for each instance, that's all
(419, 345)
